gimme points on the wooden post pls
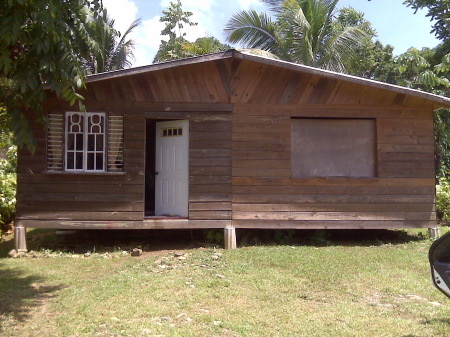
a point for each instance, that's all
(20, 239)
(435, 232)
(230, 237)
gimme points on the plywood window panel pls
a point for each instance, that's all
(333, 147)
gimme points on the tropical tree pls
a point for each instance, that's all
(8, 178)
(178, 46)
(42, 43)
(174, 18)
(414, 69)
(115, 50)
(438, 12)
(202, 46)
(303, 31)
(364, 58)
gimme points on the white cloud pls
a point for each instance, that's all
(211, 16)
(192, 5)
(202, 13)
(124, 12)
(148, 40)
(246, 4)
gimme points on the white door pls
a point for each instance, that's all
(172, 168)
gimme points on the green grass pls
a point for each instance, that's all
(348, 288)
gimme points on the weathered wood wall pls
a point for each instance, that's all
(240, 158)
(265, 195)
(44, 197)
(116, 200)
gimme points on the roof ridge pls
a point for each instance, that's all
(245, 55)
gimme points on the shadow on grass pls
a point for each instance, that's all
(21, 293)
(101, 241)
(82, 241)
(445, 321)
(318, 238)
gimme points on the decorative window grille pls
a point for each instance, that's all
(85, 141)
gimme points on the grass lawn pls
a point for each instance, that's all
(354, 287)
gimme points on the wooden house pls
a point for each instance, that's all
(232, 140)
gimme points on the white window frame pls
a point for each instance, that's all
(86, 134)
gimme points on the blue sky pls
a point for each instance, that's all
(395, 23)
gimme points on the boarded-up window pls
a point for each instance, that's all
(322, 147)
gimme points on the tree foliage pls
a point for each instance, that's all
(175, 19)
(8, 178)
(42, 43)
(303, 31)
(415, 69)
(366, 55)
(202, 46)
(438, 11)
(178, 46)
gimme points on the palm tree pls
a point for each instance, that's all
(114, 50)
(303, 31)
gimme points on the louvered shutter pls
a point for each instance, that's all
(55, 141)
(115, 144)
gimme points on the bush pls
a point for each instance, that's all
(443, 200)
(8, 178)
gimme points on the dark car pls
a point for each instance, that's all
(439, 256)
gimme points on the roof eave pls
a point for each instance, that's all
(159, 66)
(442, 102)
(439, 101)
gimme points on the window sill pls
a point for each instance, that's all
(333, 180)
(85, 173)
(334, 177)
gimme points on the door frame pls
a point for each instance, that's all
(151, 197)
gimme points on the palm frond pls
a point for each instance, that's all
(341, 47)
(274, 5)
(296, 32)
(114, 51)
(122, 53)
(252, 30)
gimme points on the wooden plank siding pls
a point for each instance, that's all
(264, 195)
(65, 200)
(210, 167)
(240, 113)
(58, 196)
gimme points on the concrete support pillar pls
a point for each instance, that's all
(230, 237)
(20, 239)
(435, 232)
